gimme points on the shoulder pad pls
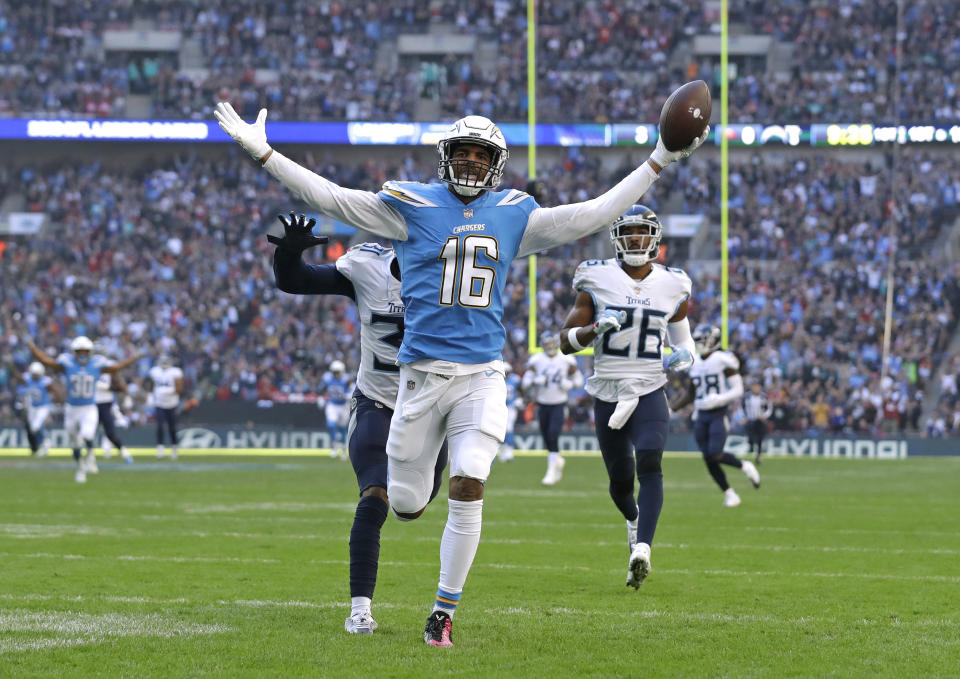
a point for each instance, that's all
(409, 193)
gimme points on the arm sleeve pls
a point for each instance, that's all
(733, 392)
(361, 209)
(293, 275)
(679, 335)
(551, 226)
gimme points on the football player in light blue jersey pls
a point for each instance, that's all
(335, 387)
(34, 393)
(81, 369)
(455, 241)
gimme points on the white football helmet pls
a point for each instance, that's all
(550, 343)
(707, 338)
(82, 343)
(637, 227)
(472, 130)
(36, 369)
(337, 367)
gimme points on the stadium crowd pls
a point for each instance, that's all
(315, 61)
(172, 258)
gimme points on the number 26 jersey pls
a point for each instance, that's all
(629, 362)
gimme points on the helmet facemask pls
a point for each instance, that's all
(468, 177)
(706, 338)
(636, 239)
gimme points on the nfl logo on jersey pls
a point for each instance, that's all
(411, 384)
(468, 213)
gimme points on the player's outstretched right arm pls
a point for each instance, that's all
(295, 276)
(42, 356)
(361, 209)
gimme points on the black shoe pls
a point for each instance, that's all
(439, 630)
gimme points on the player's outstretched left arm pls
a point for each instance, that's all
(120, 365)
(362, 209)
(549, 227)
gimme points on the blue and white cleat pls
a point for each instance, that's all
(638, 568)
(360, 623)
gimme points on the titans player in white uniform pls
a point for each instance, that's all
(82, 369)
(550, 376)
(630, 308)
(370, 276)
(715, 383)
(455, 241)
(514, 402)
(335, 388)
(35, 395)
(107, 386)
(166, 382)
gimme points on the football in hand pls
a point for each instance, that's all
(684, 115)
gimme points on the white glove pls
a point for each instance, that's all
(566, 385)
(662, 157)
(253, 138)
(680, 359)
(540, 380)
(609, 320)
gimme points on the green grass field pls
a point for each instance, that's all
(237, 567)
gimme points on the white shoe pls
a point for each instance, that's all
(554, 472)
(43, 450)
(161, 455)
(730, 498)
(632, 532)
(92, 467)
(173, 455)
(751, 473)
(360, 623)
(107, 452)
(505, 456)
(81, 475)
(638, 567)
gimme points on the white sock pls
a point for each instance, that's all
(173, 451)
(107, 447)
(458, 546)
(552, 458)
(160, 451)
(359, 604)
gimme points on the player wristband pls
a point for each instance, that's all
(266, 157)
(574, 342)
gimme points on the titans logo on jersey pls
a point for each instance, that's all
(708, 375)
(629, 362)
(382, 324)
(456, 259)
(81, 378)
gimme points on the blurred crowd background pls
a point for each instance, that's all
(166, 252)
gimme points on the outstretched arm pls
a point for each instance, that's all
(120, 365)
(361, 209)
(292, 274)
(42, 356)
(549, 227)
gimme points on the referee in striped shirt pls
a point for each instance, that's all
(757, 409)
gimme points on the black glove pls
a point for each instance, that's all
(297, 236)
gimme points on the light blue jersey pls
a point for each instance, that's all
(513, 384)
(336, 388)
(455, 263)
(35, 391)
(81, 378)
